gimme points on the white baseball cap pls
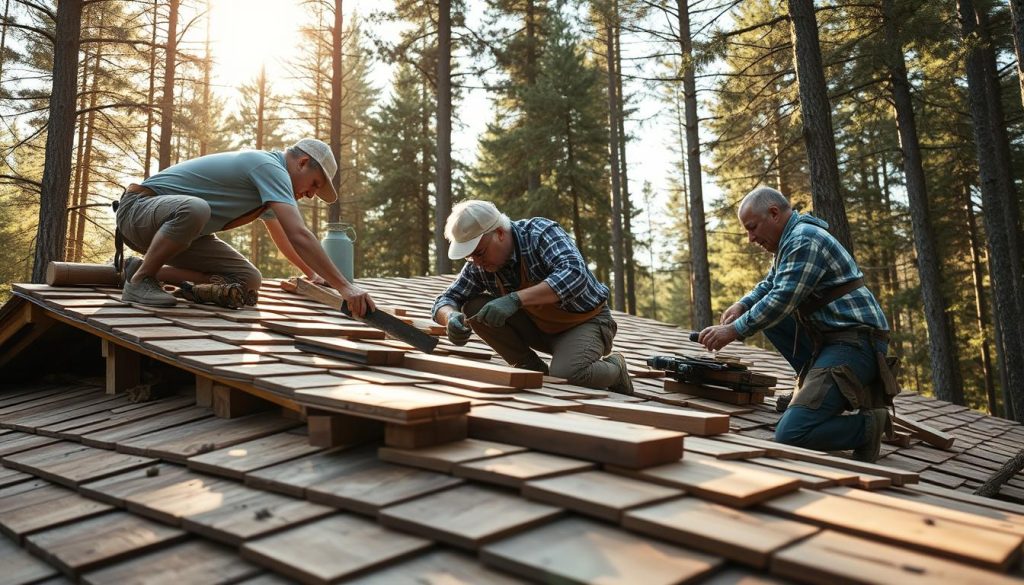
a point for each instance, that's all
(468, 222)
(321, 153)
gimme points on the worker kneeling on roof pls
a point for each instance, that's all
(172, 217)
(525, 287)
(814, 308)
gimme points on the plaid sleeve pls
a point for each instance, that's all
(796, 275)
(465, 287)
(759, 291)
(568, 271)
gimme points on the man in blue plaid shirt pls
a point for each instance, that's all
(813, 306)
(525, 287)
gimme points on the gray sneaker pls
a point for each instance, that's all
(131, 266)
(874, 428)
(147, 292)
(624, 385)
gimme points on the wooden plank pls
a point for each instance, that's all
(674, 419)
(108, 323)
(143, 334)
(15, 442)
(468, 384)
(107, 438)
(44, 507)
(379, 376)
(589, 552)
(721, 449)
(237, 460)
(20, 566)
(927, 533)
(345, 349)
(388, 403)
(30, 421)
(992, 503)
(72, 464)
(723, 482)
(316, 361)
(605, 441)
(474, 370)
(716, 393)
(250, 372)
(196, 561)
(211, 324)
(925, 432)
(181, 442)
(288, 384)
(243, 514)
(9, 477)
(75, 428)
(251, 337)
(747, 537)
(236, 358)
(352, 331)
(293, 477)
(515, 469)
(437, 567)
(837, 476)
(597, 493)
(467, 516)
(83, 313)
(83, 545)
(331, 549)
(183, 347)
(443, 458)
(366, 485)
(831, 557)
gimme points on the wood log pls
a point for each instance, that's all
(80, 273)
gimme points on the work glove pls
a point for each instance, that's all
(496, 312)
(458, 331)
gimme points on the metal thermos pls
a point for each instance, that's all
(338, 245)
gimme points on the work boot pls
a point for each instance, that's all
(147, 292)
(227, 295)
(534, 364)
(624, 385)
(877, 420)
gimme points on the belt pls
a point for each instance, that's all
(855, 334)
(139, 190)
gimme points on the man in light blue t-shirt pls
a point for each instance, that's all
(173, 217)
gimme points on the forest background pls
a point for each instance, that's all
(636, 124)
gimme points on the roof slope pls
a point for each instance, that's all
(105, 490)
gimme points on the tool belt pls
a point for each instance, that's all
(118, 238)
(813, 383)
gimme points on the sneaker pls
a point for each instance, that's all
(147, 292)
(877, 420)
(624, 385)
(227, 295)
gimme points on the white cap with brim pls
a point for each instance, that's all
(470, 221)
(321, 153)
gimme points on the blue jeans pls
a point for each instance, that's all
(824, 428)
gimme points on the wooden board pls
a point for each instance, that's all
(366, 484)
(9, 477)
(143, 334)
(108, 436)
(237, 358)
(83, 545)
(15, 442)
(20, 566)
(212, 324)
(710, 392)
(75, 427)
(512, 470)
(288, 384)
(474, 370)
(328, 550)
(379, 376)
(724, 482)
(237, 460)
(251, 337)
(293, 477)
(597, 493)
(439, 567)
(688, 421)
(352, 331)
(317, 361)
(251, 372)
(923, 532)
(183, 441)
(443, 458)
(388, 403)
(183, 347)
(925, 432)
(837, 476)
(605, 441)
(244, 514)
(345, 349)
(108, 323)
(25, 512)
(72, 464)
(831, 557)
(747, 537)
(721, 449)
(467, 516)
(575, 550)
(196, 561)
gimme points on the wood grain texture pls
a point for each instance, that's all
(19, 566)
(443, 458)
(390, 403)
(71, 464)
(439, 567)
(237, 460)
(688, 421)
(512, 470)
(46, 506)
(474, 370)
(190, 562)
(597, 493)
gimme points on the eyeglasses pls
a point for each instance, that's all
(479, 252)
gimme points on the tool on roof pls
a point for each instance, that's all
(377, 319)
(705, 370)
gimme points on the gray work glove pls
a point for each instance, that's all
(496, 312)
(458, 331)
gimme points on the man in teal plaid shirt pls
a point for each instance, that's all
(813, 306)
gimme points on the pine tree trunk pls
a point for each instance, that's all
(613, 150)
(533, 173)
(151, 95)
(570, 159)
(256, 227)
(980, 306)
(1017, 10)
(90, 123)
(60, 140)
(337, 71)
(816, 113)
(207, 127)
(76, 188)
(946, 380)
(443, 194)
(698, 226)
(423, 253)
(997, 225)
(627, 208)
(167, 100)
(3, 39)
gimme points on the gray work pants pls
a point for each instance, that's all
(182, 218)
(575, 354)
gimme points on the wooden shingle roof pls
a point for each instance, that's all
(553, 482)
